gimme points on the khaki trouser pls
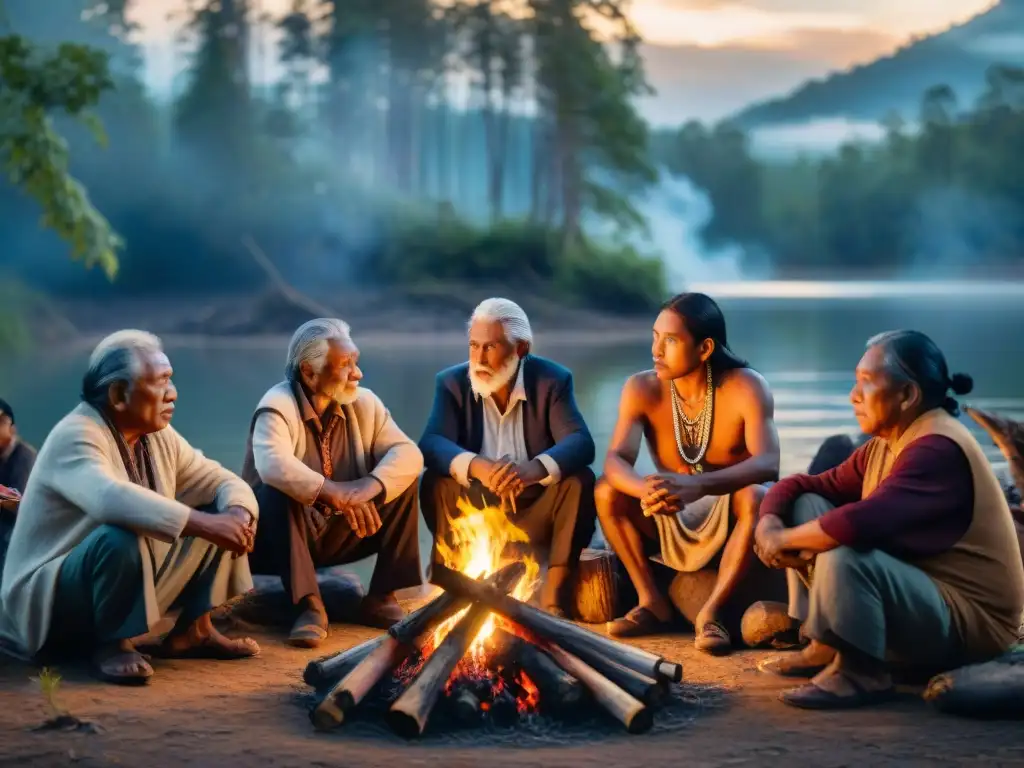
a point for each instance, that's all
(871, 601)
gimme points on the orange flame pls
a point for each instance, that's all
(478, 538)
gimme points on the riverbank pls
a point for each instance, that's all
(433, 316)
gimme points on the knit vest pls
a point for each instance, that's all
(981, 577)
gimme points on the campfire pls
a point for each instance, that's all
(485, 652)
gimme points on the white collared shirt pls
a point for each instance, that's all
(503, 436)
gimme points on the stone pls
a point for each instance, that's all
(690, 591)
(267, 604)
(765, 621)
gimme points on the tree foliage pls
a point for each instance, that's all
(35, 83)
(947, 195)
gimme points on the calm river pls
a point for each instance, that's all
(805, 347)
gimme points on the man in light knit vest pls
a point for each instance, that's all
(116, 529)
(335, 477)
(505, 428)
(908, 546)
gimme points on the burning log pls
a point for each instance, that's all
(409, 714)
(325, 671)
(634, 714)
(446, 605)
(353, 687)
(466, 705)
(589, 646)
(651, 692)
(559, 691)
(504, 710)
(391, 648)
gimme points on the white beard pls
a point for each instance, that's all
(499, 378)
(344, 396)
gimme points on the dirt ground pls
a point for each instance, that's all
(253, 713)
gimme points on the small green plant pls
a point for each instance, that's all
(49, 684)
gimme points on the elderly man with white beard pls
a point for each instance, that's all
(505, 426)
(335, 478)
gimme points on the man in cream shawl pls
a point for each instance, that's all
(335, 478)
(110, 536)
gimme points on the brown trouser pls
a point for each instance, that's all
(287, 547)
(559, 519)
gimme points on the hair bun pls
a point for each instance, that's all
(961, 383)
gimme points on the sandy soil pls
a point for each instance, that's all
(253, 713)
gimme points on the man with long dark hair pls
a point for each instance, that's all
(708, 419)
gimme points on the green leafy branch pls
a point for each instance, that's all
(34, 83)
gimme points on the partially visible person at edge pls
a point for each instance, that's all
(709, 420)
(16, 456)
(335, 477)
(505, 427)
(113, 531)
(908, 546)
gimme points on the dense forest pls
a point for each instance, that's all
(942, 198)
(365, 161)
(411, 142)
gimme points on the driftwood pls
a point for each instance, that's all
(991, 690)
(633, 714)
(588, 645)
(1008, 435)
(410, 713)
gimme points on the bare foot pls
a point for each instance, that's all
(201, 640)
(808, 662)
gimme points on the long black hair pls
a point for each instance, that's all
(912, 356)
(704, 320)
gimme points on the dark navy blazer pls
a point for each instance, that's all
(552, 424)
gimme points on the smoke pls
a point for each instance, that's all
(954, 231)
(676, 212)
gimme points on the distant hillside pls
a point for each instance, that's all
(957, 57)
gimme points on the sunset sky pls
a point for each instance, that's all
(774, 43)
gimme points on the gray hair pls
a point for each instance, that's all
(511, 316)
(912, 356)
(310, 342)
(119, 357)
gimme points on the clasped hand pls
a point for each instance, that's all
(505, 478)
(769, 546)
(355, 502)
(666, 493)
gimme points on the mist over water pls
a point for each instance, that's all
(676, 211)
(814, 137)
